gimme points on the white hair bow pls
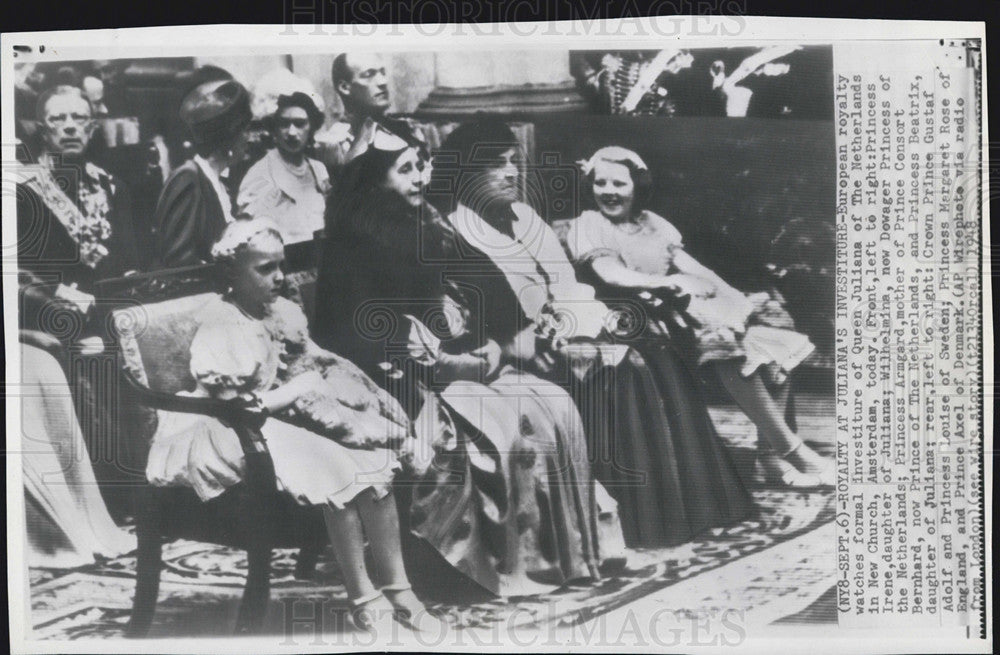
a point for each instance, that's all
(615, 154)
(239, 233)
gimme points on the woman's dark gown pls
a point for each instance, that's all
(651, 441)
(507, 498)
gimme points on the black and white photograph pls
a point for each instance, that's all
(367, 347)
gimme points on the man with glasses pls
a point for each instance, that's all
(74, 219)
(74, 229)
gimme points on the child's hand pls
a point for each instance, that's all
(352, 392)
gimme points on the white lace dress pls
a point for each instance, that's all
(233, 351)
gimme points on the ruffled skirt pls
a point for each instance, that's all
(200, 452)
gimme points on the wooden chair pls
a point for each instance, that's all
(155, 340)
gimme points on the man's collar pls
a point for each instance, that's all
(53, 162)
(215, 179)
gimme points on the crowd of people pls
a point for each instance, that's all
(539, 396)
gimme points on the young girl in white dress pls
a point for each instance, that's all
(749, 340)
(251, 342)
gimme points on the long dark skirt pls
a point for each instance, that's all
(507, 498)
(654, 447)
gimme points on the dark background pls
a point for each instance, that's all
(805, 92)
(57, 15)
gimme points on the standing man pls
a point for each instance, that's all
(361, 82)
(287, 186)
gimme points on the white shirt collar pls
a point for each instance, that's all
(220, 190)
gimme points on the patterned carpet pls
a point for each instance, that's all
(201, 583)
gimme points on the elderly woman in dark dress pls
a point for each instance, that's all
(651, 439)
(501, 487)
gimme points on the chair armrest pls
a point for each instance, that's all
(159, 285)
(244, 420)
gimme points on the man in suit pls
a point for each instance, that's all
(74, 219)
(74, 229)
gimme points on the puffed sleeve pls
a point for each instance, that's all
(666, 231)
(258, 195)
(585, 239)
(232, 354)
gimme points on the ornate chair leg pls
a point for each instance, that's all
(305, 564)
(148, 564)
(791, 415)
(258, 514)
(257, 591)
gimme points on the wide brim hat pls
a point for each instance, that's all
(216, 110)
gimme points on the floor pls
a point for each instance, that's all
(775, 571)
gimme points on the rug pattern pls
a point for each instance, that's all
(201, 583)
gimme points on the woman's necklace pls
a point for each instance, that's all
(629, 226)
(301, 169)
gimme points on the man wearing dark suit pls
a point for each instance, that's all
(74, 219)
(74, 229)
